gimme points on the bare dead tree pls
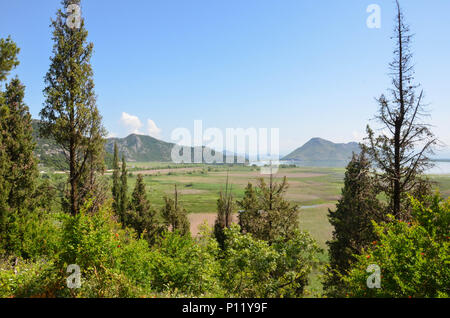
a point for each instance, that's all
(401, 152)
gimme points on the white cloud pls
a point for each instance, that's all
(152, 129)
(111, 135)
(133, 123)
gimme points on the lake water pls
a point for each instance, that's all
(440, 167)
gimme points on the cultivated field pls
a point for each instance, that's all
(315, 190)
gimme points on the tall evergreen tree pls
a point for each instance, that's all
(70, 115)
(19, 145)
(175, 216)
(353, 230)
(249, 212)
(18, 167)
(8, 61)
(401, 152)
(141, 216)
(123, 196)
(116, 181)
(266, 214)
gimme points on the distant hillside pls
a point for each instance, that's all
(318, 149)
(47, 151)
(140, 148)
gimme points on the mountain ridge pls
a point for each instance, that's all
(144, 148)
(319, 149)
(135, 148)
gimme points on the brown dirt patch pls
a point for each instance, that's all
(198, 219)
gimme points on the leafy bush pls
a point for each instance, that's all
(28, 279)
(40, 235)
(413, 257)
(115, 262)
(181, 264)
(254, 268)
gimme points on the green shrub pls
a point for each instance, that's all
(413, 257)
(181, 264)
(28, 279)
(253, 268)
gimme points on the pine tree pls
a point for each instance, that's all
(8, 61)
(175, 216)
(116, 181)
(70, 115)
(249, 212)
(225, 206)
(123, 196)
(18, 168)
(19, 146)
(266, 214)
(401, 152)
(141, 216)
(353, 229)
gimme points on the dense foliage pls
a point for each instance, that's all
(413, 257)
(115, 262)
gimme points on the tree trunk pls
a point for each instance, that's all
(399, 124)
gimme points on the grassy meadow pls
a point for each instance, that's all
(314, 189)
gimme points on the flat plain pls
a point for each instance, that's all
(314, 189)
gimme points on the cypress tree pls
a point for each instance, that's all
(266, 214)
(116, 182)
(70, 115)
(175, 216)
(19, 145)
(141, 216)
(123, 197)
(352, 220)
(249, 211)
(8, 61)
(18, 167)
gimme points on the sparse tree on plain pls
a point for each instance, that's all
(174, 215)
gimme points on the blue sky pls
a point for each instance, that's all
(310, 68)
